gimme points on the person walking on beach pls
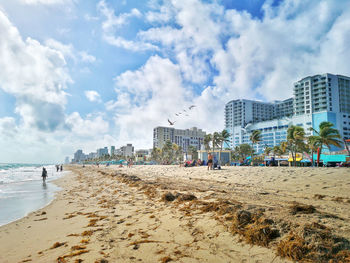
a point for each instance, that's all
(44, 174)
(210, 161)
(61, 168)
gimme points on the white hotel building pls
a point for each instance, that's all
(183, 138)
(316, 99)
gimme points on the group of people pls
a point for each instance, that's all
(44, 172)
(59, 167)
(212, 163)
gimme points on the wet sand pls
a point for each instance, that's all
(238, 214)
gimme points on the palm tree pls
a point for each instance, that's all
(223, 137)
(206, 141)
(175, 149)
(193, 151)
(167, 152)
(313, 142)
(156, 154)
(215, 140)
(276, 151)
(328, 136)
(267, 150)
(255, 137)
(295, 138)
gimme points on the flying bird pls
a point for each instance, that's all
(184, 110)
(191, 107)
(171, 123)
(176, 114)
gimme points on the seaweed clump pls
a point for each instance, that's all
(254, 227)
(314, 242)
(302, 209)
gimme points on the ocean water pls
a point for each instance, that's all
(22, 190)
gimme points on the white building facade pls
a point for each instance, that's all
(183, 138)
(315, 99)
(127, 150)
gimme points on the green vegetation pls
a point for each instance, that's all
(326, 136)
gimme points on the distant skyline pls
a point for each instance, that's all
(87, 74)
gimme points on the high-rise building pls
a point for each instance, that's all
(112, 150)
(102, 151)
(127, 150)
(79, 156)
(316, 99)
(283, 108)
(183, 138)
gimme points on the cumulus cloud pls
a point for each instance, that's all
(35, 74)
(218, 54)
(46, 2)
(8, 127)
(146, 98)
(93, 95)
(111, 25)
(69, 51)
(88, 127)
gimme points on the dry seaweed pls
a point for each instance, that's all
(85, 241)
(57, 244)
(77, 247)
(87, 233)
(315, 243)
(168, 197)
(166, 259)
(318, 196)
(302, 209)
(292, 247)
(144, 241)
(92, 222)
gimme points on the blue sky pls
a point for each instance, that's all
(88, 74)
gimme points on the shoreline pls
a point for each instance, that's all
(31, 187)
(120, 215)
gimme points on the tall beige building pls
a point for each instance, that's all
(183, 138)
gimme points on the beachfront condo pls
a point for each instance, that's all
(315, 99)
(183, 138)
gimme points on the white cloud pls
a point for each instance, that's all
(146, 98)
(89, 17)
(90, 127)
(36, 75)
(111, 25)
(46, 2)
(85, 57)
(239, 55)
(93, 95)
(69, 51)
(8, 127)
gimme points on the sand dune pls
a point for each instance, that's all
(176, 214)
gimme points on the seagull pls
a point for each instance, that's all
(171, 123)
(184, 110)
(186, 114)
(176, 114)
(191, 107)
(180, 113)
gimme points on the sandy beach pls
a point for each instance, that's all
(177, 214)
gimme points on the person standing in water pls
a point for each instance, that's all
(44, 174)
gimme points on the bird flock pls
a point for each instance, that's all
(184, 112)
